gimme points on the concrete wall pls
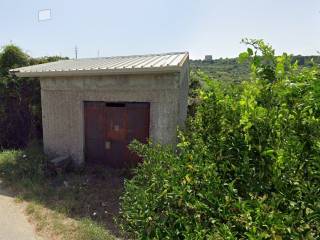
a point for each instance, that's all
(63, 97)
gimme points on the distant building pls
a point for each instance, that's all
(208, 58)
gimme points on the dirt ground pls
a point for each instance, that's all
(96, 194)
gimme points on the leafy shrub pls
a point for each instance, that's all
(23, 166)
(248, 167)
(20, 106)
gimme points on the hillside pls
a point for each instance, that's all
(228, 69)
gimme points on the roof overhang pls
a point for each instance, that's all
(97, 72)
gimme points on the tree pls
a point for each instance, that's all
(20, 106)
(12, 57)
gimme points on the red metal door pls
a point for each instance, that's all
(138, 128)
(94, 119)
(110, 127)
(116, 134)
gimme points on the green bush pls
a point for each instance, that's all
(20, 106)
(248, 167)
(23, 167)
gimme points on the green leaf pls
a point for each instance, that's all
(243, 57)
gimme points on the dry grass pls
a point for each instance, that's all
(77, 206)
(56, 226)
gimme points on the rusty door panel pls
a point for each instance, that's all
(116, 134)
(94, 119)
(115, 156)
(138, 122)
(110, 127)
(138, 128)
(116, 123)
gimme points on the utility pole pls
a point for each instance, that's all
(76, 51)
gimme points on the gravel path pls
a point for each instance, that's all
(13, 223)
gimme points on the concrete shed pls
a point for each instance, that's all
(92, 108)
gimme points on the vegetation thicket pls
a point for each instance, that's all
(248, 165)
(20, 107)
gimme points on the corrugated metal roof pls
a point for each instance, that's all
(110, 65)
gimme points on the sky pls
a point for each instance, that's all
(126, 27)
